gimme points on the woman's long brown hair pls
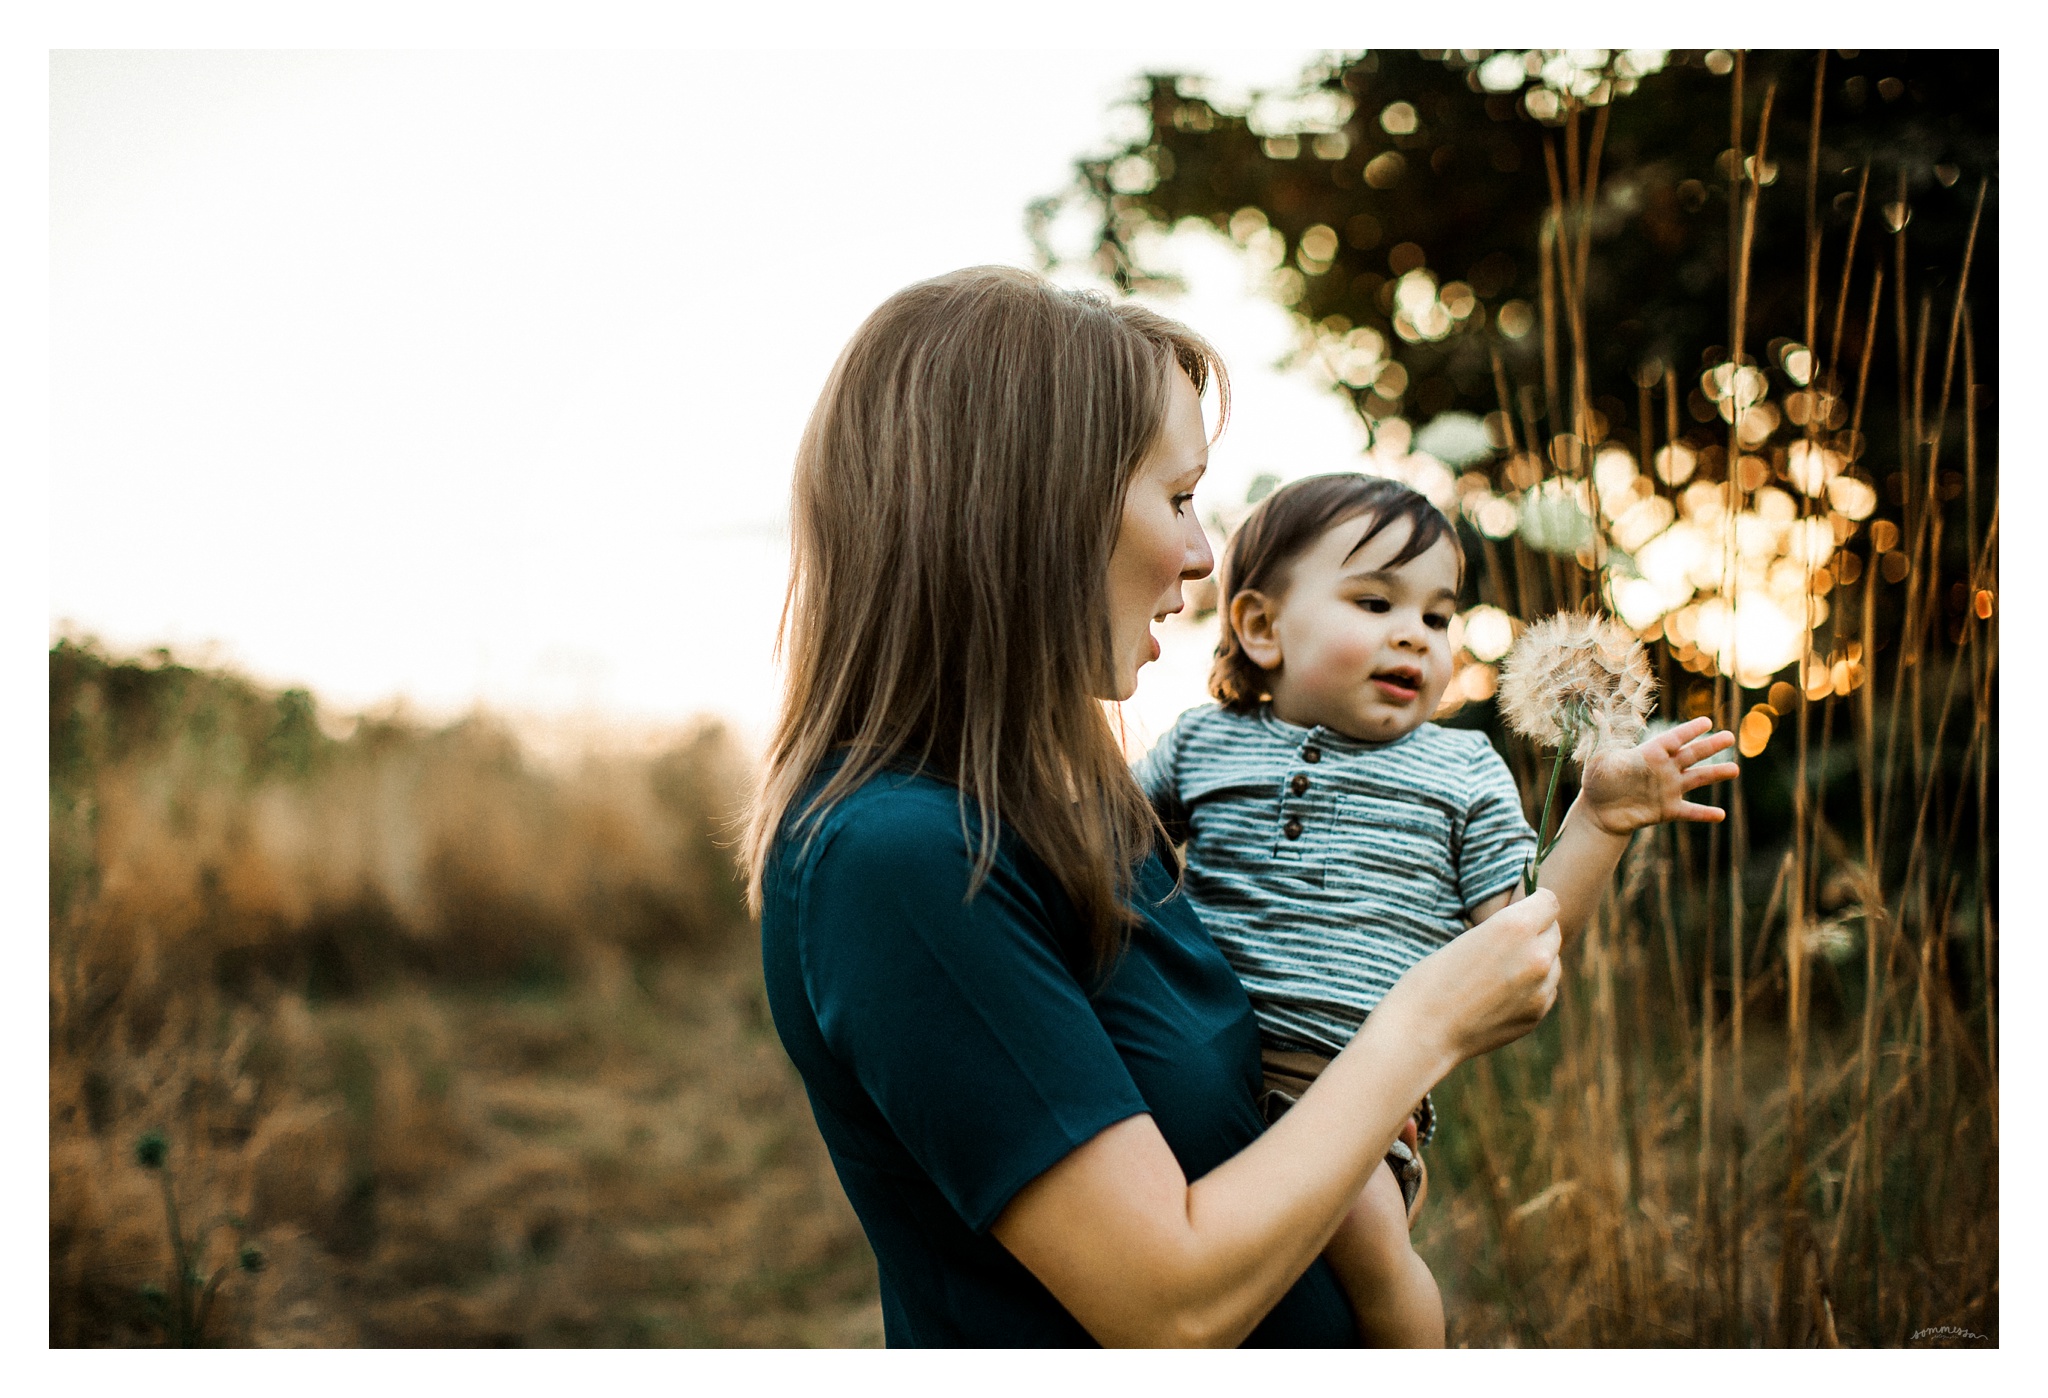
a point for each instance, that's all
(957, 495)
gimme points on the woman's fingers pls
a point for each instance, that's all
(1518, 921)
(1534, 921)
(1492, 985)
(1545, 967)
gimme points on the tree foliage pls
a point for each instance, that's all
(1382, 162)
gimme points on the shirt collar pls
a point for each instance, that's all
(1328, 739)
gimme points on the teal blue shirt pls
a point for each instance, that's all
(953, 1051)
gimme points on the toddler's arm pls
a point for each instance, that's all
(1158, 776)
(1620, 793)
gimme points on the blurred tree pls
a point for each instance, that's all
(1434, 163)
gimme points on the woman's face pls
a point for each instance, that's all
(1160, 543)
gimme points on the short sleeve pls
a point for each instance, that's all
(960, 1019)
(1158, 775)
(1498, 842)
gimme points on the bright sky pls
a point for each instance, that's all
(476, 376)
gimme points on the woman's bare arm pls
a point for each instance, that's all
(1141, 1257)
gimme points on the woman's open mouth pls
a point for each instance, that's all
(1158, 617)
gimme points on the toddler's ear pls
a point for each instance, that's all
(1252, 614)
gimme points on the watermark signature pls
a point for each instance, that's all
(1946, 1334)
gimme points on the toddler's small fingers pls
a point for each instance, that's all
(1705, 748)
(1692, 810)
(1693, 778)
(1671, 739)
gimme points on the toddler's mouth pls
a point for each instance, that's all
(1401, 683)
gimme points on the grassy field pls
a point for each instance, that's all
(475, 1053)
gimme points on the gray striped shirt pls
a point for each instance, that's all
(1324, 866)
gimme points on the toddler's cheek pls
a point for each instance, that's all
(1347, 659)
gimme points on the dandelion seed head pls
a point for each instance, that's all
(1573, 660)
(1831, 939)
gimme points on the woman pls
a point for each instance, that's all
(1033, 1070)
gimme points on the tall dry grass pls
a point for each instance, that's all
(476, 1052)
(1765, 1110)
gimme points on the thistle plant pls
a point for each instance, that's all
(183, 1310)
(1578, 685)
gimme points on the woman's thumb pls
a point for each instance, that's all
(1538, 910)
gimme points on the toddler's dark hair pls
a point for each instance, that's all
(1288, 521)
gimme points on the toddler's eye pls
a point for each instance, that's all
(1376, 604)
(1437, 621)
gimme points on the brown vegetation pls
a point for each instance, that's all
(473, 1052)
(1766, 1109)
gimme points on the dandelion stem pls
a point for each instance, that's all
(1544, 839)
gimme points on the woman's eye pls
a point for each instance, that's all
(1180, 502)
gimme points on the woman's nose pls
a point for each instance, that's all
(1199, 560)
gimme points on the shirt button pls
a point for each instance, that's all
(1311, 754)
(1293, 828)
(1299, 784)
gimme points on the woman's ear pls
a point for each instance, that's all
(1252, 614)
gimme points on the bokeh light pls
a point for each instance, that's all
(1726, 545)
(1489, 633)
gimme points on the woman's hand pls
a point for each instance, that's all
(1487, 988)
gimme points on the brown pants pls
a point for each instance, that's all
(1287, 1076)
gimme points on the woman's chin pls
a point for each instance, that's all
(1127, 682)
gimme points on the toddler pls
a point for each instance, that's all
(1334, 836)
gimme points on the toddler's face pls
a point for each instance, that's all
(1363, 646)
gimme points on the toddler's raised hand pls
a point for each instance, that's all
(1647, 784)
